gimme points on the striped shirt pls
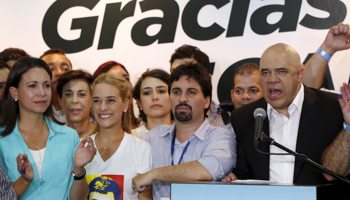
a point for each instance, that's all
(6, 190)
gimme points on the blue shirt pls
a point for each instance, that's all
(57, 164)
(213, 147)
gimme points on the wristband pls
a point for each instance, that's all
(324, 54)
(346, 127)
(78, 176)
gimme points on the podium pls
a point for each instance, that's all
(201, 190)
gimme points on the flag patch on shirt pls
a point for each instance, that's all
(105, 186)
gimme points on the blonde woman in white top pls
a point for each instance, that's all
(120, 156)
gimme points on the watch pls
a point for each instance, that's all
(78, 176)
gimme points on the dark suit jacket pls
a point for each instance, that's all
(320, 122)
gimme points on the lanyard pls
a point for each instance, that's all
(173, 147)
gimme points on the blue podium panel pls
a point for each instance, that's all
(229, 191)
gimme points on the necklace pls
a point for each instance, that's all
(27, 140)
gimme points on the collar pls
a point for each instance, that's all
(200, 133)
(49, 123)
(297, 102)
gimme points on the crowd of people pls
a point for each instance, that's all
(69, 134)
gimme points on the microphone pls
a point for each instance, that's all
(259, 115)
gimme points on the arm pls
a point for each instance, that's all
(337, 39)
(27, 174)
(83, 155)
(146, 194)
(191, 171)
(337, 156)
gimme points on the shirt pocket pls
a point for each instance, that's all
(61, 153)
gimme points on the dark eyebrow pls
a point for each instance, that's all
(146, 88)
(30, 82)
(192, 89)
(281, 68)
(265, 69)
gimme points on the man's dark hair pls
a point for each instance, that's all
(12, 54)
(56, 51)
(3, 65)
(73, 75)
(197, 72)
(188, 51)
(245, 69)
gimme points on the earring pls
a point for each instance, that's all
(140, 108)
(15, 99)
(124, 110)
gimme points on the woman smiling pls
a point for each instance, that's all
(74, 90)
(120, 156)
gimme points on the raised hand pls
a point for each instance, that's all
(344, 101)
(84, 153)
(24, 167)
(337, 39)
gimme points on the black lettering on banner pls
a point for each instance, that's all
(289, 21)
(335, 8)
(114, 15)
(190, 20)
(238, 18)
(226, 79)
(87, 26)
(169, 22)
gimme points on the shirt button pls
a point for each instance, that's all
(44, 165)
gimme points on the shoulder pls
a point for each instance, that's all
(245, 113)
(156, 132)
(326, 100)
(139, 131)
(140, 146)
(62, 131)
(137, 141)
(216, 132)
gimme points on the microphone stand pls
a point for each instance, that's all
(303, 157)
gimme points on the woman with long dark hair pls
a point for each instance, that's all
(29, 127)
(152, 95)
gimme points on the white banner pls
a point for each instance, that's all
(144, 34)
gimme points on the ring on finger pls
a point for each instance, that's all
(345, 101)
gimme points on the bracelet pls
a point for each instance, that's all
(78, 176)
(324, 54)
(346, 127)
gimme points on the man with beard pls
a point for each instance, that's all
(191, 149)
(59, 64)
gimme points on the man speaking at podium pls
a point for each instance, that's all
(302, 119)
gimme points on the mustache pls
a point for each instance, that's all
(183, 104)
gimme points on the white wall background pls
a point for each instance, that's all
(21, 21)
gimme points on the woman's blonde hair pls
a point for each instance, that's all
(124, 91)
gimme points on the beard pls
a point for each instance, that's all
(183, 116)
